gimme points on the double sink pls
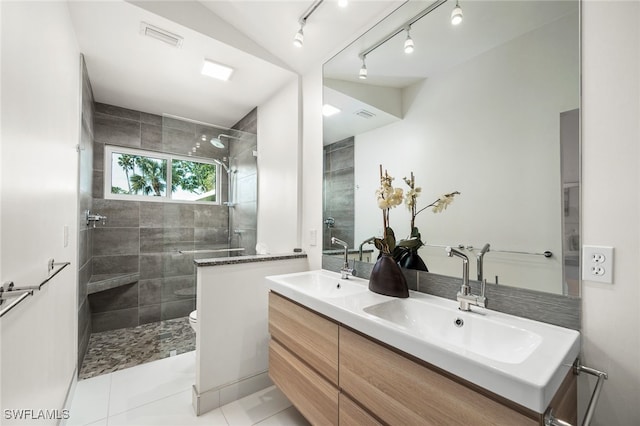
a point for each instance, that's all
(519, 359)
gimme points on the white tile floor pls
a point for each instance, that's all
(159, 393)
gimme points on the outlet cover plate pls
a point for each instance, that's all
(597, 264)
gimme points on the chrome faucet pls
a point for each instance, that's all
(367, 241)
(345, 271)
(464, 296)
(94, 217)
(480, 258)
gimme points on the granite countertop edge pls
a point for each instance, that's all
(219, 261)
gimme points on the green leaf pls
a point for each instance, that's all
(398, 253)
(413, 243)
(390, 240)
(415, 233)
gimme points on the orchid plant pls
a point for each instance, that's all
(388, 198)
(439, 205)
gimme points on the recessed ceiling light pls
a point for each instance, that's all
(329, 110)
(216, 70)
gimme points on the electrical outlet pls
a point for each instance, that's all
(597, 264)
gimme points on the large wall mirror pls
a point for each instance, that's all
(488, 108)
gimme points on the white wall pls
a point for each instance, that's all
(278, 171)
(1, 274)
(469, 130)
(611, 202)
(40, 130)
(229, 371)
(312, 167)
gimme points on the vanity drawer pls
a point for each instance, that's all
(351, 414)
(399, 390)
(312, 395)
(311, 337)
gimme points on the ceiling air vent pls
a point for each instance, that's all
(160, 34)
(365, 114)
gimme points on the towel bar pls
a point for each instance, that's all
(551, 420)
(18, 294)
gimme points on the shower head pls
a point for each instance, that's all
(220, 163)
(217, 142)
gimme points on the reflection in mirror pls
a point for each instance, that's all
(489, 108)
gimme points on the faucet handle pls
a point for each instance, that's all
(338, 241)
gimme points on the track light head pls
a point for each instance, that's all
(298, 39)
(408, 44)
(363, 71)
(456, 15)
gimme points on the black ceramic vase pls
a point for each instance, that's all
(410, 259)
(387, 278)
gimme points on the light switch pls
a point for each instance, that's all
(313, 237)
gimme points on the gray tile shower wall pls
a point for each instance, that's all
(554, 309)
(147, 237)
(85, 187)
(338, 200)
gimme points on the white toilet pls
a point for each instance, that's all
(193, 320)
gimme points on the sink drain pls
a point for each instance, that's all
(459, 322)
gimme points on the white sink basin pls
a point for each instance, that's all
(323, 284)
(522, 360)
(496, 340)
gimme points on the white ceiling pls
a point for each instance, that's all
(439, 47)
(274, 23)
(254, 37)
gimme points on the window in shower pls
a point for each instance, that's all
(133, 174)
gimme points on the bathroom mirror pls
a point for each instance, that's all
(489, 108)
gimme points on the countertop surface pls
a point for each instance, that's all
(219, 261)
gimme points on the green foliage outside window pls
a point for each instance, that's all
(191, 180)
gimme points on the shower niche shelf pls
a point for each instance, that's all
(103, 282)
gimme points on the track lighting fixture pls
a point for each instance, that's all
(298, 40)
(363, 70)
(456, 18)
(456, 14)
(408, 43)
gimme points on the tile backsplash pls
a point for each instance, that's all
(540, 306)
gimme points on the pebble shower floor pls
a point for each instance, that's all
(114, 350)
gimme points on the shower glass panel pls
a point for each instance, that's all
(212, 213)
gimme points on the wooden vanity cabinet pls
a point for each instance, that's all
(401, 391)
(334, 375)
(303, 359)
